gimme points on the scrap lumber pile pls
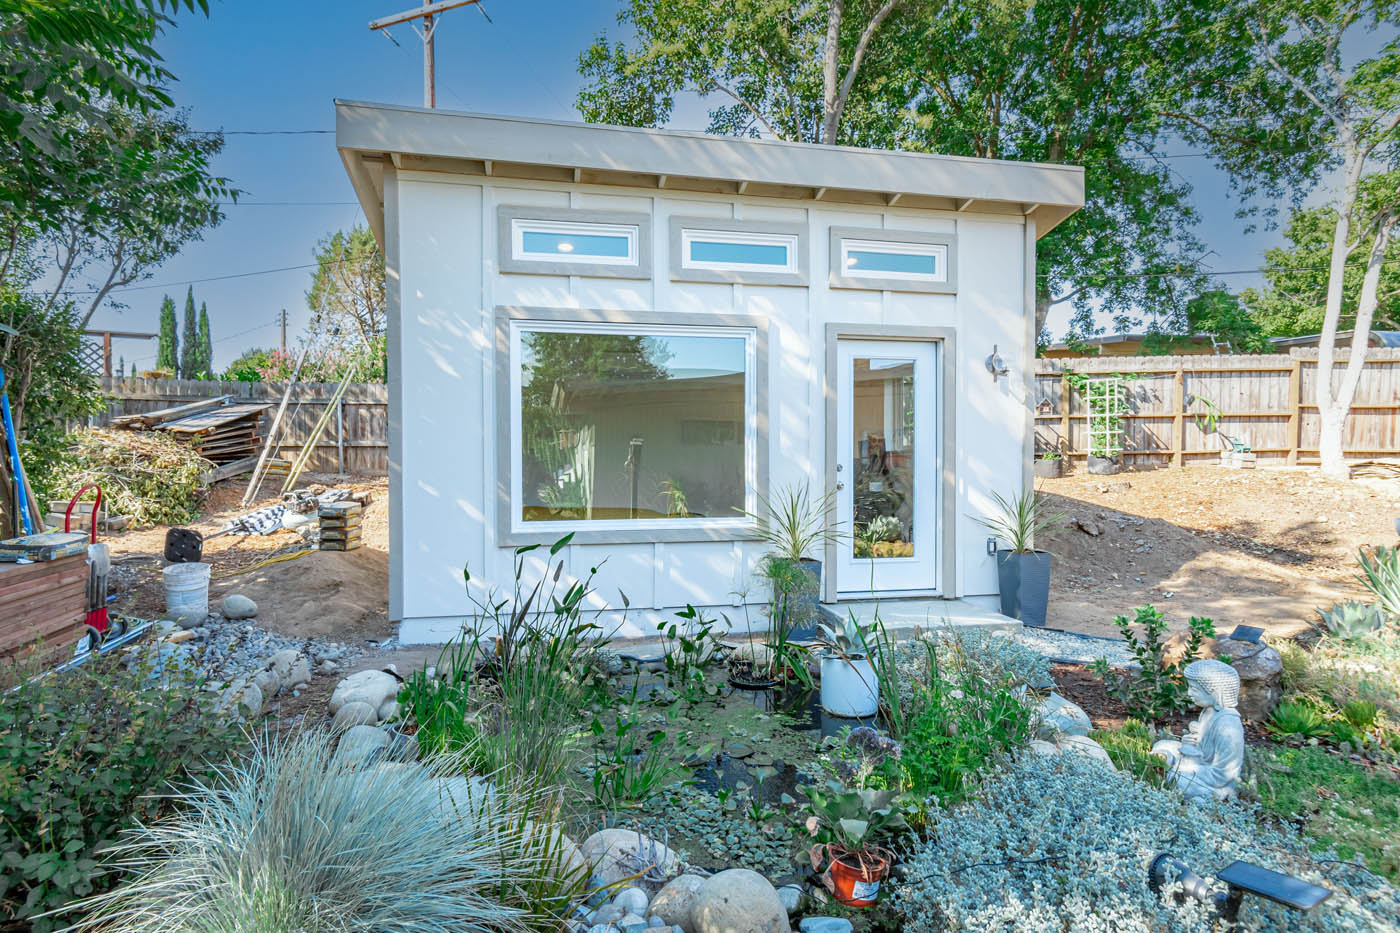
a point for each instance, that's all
(217, 430)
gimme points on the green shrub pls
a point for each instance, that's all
(79, 754)
(1158, 688)
(1352, 619)
(991, 656)
(1130, 748)
(1298, 716)
(148, 475)
(1361, 714)
(1380, 573)
(1063, 844)
(300, 838)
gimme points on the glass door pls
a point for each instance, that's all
(887, 474)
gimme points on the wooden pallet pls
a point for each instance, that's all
(42, 605)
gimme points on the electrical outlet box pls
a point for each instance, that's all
(992, 545)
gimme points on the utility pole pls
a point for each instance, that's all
(428, 13)
(284, 330)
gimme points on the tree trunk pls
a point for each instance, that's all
(1334, 409)
(1333, 419)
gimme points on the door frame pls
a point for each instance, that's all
(944, 413)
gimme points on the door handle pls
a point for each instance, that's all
(840, 485)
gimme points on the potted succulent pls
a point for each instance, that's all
(1022, 571)
(1048, 464)
(850, 686)
(793, 524)
(849, 829)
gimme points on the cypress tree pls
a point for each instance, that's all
(168, 349)
(206, 342)
(189, 340)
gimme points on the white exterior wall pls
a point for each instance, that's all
(442, 231)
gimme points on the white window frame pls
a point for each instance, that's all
(513, 221)
(519, 226)
(938, 251)
(788, 241)
(514, 530)
(943, 246)
(685, 230)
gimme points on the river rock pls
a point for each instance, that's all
(360, 742)
(618, 854)
(267, 682)
(250, 701)
(1044, 749)
(280, 663)
(369, 687)
(299, 675)
(738, 901)
(756, 653)
(238, 606)
(389, 709)
(673, 903)
(824, 925)
(1083, 745)
(1058, 715)
(353, 714)
(791, 896)
(1261, 675)
(632, 900)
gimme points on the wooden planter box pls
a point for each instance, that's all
(44, 602)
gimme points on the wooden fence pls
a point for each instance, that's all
(1269, 401)
(356, 440)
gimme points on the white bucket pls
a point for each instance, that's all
(186, 592)
(849, 688)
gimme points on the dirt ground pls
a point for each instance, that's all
(1262, 547)
(340, 595)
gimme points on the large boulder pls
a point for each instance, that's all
(674, 902)
(238, 606)
(353, 714)
(360, 742)
(738, 901)
(369, 687)
(1261, 675)
(1059, 716)
(617, 854)
(1083, 745)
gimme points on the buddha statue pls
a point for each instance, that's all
(1206, 762)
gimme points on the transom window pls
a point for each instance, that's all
(893, 260)
(615, 425)
(719, 249)
(870, 258)
(559, 241)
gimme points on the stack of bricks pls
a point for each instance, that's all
(340, 525)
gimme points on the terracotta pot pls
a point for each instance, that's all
(856, 887)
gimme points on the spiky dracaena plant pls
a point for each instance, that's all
(298, 839)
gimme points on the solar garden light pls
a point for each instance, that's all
(1240, 878)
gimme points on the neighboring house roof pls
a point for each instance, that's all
(369, 136)
(1378, 338)
(1111, 339)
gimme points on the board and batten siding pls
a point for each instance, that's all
(1269, 401)
(441, 230)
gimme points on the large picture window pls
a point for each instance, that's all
(619, 424)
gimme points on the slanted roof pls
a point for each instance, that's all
(1378, 338)
(369, 136)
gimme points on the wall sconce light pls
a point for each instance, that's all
(995, 365)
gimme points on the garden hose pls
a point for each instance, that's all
(266, 562)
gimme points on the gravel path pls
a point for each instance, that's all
(1074, 648)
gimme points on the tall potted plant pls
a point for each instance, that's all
(850, 685)
(1023, 572)
(850, 829)
(794, 523)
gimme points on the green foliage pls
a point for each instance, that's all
(630, 766)
(206, 344)
(1361, 714)
(85, 755)
(1345, 807)
(250, 366)
(1340, 671)
(148, 475)
(347, 289)
(168, 344)
(1130, 748)
(1224, 316)
(301, 838)
(1158, 688)
(1298, 717)
(794, 522)
(688, 647)
(959, 727)
(858, 823)
(1352, 619)
(848, 638)
(1021, 519)
(189, 340)
(1380, 573)
(1106, 399)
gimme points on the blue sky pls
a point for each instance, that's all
(261, 66)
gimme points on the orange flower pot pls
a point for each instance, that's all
(853, 885)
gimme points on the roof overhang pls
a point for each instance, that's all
(370, 136)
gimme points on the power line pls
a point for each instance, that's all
(287, 203)
(1205, 272)
(214, 278)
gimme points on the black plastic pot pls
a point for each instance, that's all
(1025, 585)
(1104, 466)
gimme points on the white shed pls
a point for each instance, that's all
(638, 335)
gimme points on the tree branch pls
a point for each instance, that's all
(751, 109)
(834, 110)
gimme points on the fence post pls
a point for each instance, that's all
(1064, 415)
(1295, 420)
(1178, 417)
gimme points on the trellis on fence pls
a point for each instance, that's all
(355, 441)
(1181, 409)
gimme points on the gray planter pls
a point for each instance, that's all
(803, 606)
(1025, 585)
(1048, 469)
(1104, 466)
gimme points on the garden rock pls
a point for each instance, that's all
(389, 709)
(674, 902)
(632, 900)
(756, 653)
(1058, 715)
(299, 675)
(250, 701)
(353, 714)
(1261, 675)
(619, 854)
(465, 795)
(238, 606)
(267, 682)
(631, 923)
(359, 742)
(791, 896)
(1044, 748)
(738, 901)
(824, 925)
(369, 687)
(1083, 745)
(281, 663)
